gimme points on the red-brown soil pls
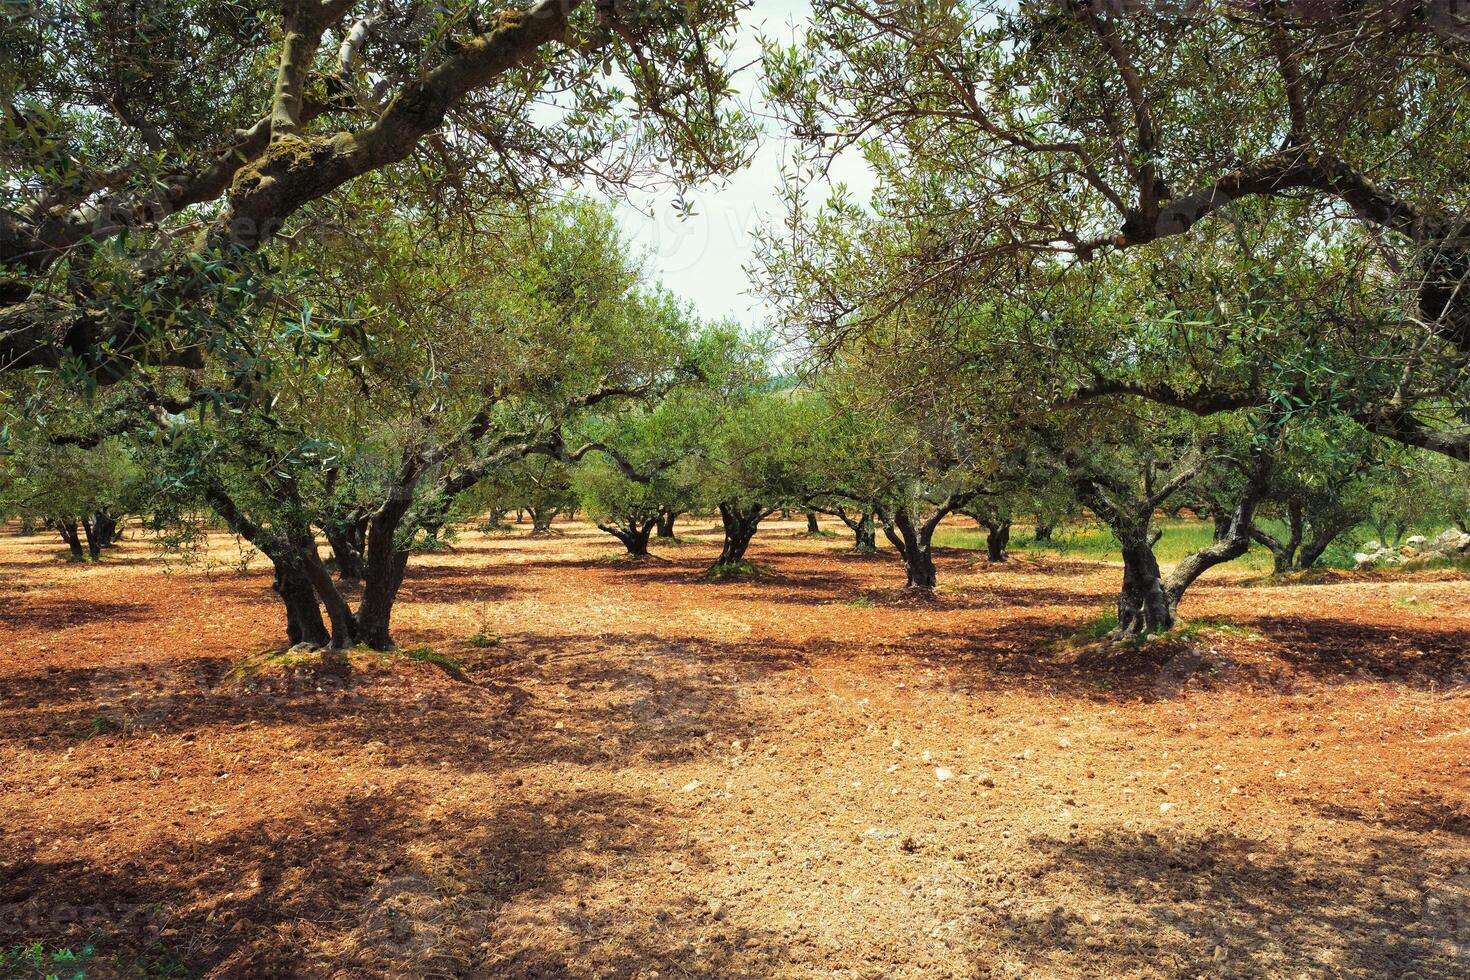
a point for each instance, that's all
(655, 775)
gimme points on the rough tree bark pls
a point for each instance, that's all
(1283, 550)
(347, 539)
(997, 539)
(666, 520)
(864, 530)
(303, 614)
(633, 534)
(94, 539)
(68, 531)
(541, 519)
(741, 521)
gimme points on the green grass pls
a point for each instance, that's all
(1445, 563)
(1195, 627)
(1182, 536)
(35, 960)
(1415, 604)
(485, 639)
(100, 725)
(732, 572)
(1100, 627)
(425, 655)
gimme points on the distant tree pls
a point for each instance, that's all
(1321, 488)
(646, 469)
(1126, 468)
(756, 458)
(83, 493)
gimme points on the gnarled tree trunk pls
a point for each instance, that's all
(633, 534)
(912, 539)
(864, 530)
(741, 521)
(1283, 551)
(303, 614)
(68, 531)
(666, 520)
(997, 539)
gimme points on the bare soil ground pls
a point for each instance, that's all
(654, 775)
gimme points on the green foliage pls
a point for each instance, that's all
(425, 655)
(733, 571)
(484, 639)
(36, 960)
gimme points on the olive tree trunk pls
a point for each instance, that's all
(740, 521)
(68, 531)
(633, 534)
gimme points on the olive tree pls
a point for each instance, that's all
(152, 151)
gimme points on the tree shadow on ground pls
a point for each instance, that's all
(662, 699)
(1225, 905)
(1325, 646)
(1428, 812)
(374, 884)
(59, 612)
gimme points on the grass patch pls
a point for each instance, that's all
(256, 664)
(673, 542)
(1193, 628)
(860, 602)
(1413, 603)
(623, 558)
(425, 655)
(35, 960)
(100, 725)
(485, 640)
(733, 571)
(1443, 563)
(1100, 627)
(24, 961)
(1095, 542)
(1306, 576)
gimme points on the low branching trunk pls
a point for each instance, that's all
(303, 613)
(541, 518)
(912, 539)
(812, 527)
(1148, 603)
(1044, 529)
(94, 538)
(1283, 550)
(68, 531)
(1143, 605)
(666, 518)
(740, 521)
(913, 535)
(997, 539)
(864, 530)
(633, 534)
(346, 539)
(865, 534)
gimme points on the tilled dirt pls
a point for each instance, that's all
(805, 774)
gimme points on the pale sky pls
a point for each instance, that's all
(703, 258)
